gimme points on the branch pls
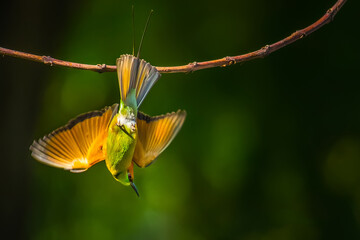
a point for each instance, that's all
(226, 61)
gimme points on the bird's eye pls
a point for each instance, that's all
(129, 176)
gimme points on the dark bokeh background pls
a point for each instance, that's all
(270, 148)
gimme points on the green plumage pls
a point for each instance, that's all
(121, 142)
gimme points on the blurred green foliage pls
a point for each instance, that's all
(270, 149)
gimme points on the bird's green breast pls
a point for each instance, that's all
(119, 149)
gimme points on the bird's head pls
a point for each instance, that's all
(126, 177)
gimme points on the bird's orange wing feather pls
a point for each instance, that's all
(79, 144)
(155, 134)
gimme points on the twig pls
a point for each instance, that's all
(226, 61)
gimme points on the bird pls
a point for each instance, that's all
(119, 134)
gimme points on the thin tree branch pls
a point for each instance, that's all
(226, 61)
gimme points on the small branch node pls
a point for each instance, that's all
(229, 61)
(48, 60)
(192, 65)
(331, 12)
(301, 33)
(265, 51)
(101, 66)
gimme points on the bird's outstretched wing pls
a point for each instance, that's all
(77, 145)
(155, 134)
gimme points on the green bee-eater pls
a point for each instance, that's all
(120, 134)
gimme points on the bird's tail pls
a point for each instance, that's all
(137, 74)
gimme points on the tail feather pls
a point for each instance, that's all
(135, 73)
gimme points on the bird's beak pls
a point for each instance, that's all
(135, 189)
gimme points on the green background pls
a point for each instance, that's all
(270, 148)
